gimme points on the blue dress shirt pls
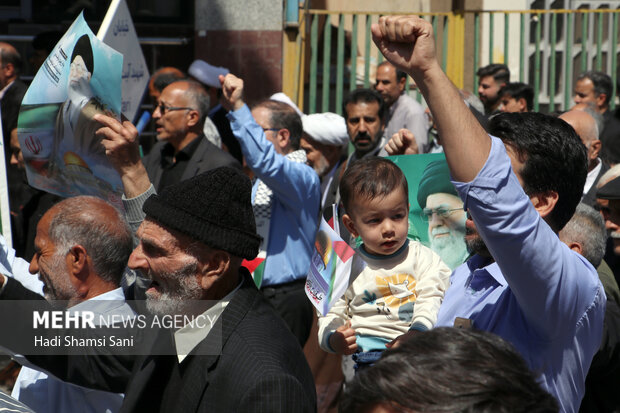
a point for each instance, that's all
(538, 294)
(295, 206)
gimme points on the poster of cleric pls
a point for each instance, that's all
(436, 215)
(56, 130)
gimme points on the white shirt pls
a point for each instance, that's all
(189, 336)
(45, 393)
(591, 177)
(3, 91)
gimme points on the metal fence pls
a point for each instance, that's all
(547, 49)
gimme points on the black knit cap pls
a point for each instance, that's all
(214, 208)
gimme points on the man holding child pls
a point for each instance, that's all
(520, 190)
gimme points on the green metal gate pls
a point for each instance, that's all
(546, 48)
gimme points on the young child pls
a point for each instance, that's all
(403, 283)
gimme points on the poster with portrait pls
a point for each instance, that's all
(330, 268)
(56, 130)
(436, 212)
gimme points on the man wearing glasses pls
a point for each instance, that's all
(443, 210)
(285, 200)
(182, 151)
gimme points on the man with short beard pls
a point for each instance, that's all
(491, 79)
(324, 140)
(520, 189)
(364, 111)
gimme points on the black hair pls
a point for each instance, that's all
(601, 81)
(82, 48)
(500, 72)
(447, 370)
(283, 116)
(366, 96)
(518, 90)
(553, 156)
(369, 178)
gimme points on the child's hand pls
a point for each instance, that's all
(401, 339)
(343, 340)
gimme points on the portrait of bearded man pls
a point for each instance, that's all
(443, 210)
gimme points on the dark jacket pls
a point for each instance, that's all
(206, 156)
(257, 364)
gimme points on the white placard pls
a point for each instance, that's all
(117, 31)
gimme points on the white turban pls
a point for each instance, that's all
(281, 97)
(326, 128)
(206, 73)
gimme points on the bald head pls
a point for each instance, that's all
(196, 95)
(185, 121)
(10, 64)
(583, 123)
(587, 128)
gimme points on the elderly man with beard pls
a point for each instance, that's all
(443, 209)
(191, 244)
(520, 189)
(324, 140)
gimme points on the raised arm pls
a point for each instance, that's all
(295, 183)
(408, 43)
(121, 147)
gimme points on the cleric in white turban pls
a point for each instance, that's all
(325, 141)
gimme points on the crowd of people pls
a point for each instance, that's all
(513, 306)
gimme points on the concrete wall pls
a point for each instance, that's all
(246, 37)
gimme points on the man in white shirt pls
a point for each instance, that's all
(403, 111)
(81, 249)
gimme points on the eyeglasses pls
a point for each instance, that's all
(427, 213)
(272, 129)
(163, 108)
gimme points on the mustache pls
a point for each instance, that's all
(361, 135)
(440, 231)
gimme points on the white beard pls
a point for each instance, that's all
(178, 300)
(451, 248)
